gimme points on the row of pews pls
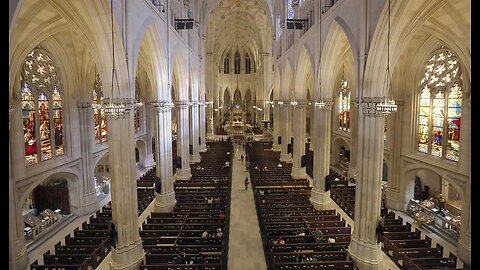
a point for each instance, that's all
(289, 224)
(202, 207)
(90, 243)
(408, 249)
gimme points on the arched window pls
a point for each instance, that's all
(344, 107)
(441, 91)
(99, 112)
(237, 63)
(248, 64)
(226, 64)
(136, 117)
(41, 102)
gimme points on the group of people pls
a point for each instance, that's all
(183, 259)
(218, 233)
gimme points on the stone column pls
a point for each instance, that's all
(17, 250)
(394, 198)
(88, 195)
(129, 253)
(210, 121)
(165, 200)
(202, 147)
(182, 141)
(321, 154)
(194, 133)
(352, 167)
(464, 249)
(149, 161)
(299, 134)
(285, 129)
(363, 247)
(276, 128)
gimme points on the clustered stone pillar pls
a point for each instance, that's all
(202, 126)
(165, 200)
(394, 198)
(320, 198)
(18, 256)
(182, 141)
(299, 125)
(194, 133)
(363, 248)
(285, 129)
(276, 128)
(89, 200)
(128, 253)
(149, 161)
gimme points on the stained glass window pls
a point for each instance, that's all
(237, 63)
(136, 115)
(58, 123)
(29, 130)
(344, 107)
(99, 112)
(41, 107)
(248, 64)
(423, 121)
(441, 92)
(226, 64)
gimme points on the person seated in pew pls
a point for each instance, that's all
(301, 233)
(219, 233)
(226, 165)
(221, 216)
(181, 258)
(281, 241)
(279, 165)
(331, 240)
(261, 192)
(205, 234)
(210, 200)
(201, 259)
(318, 235)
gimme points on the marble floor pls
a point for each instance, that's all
(245, 248)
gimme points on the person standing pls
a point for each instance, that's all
(241, 157)
(246, 183)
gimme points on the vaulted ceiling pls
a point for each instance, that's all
(242, 24)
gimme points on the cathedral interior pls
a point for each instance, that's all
(239, 134)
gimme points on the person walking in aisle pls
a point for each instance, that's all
(246, 183)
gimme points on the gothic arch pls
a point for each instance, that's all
(179, 77)
(287, 81)
(407, 18)
(149, 53)
(338, 43)
(303, 71)
(58, 16)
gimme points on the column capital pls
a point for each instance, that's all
(369, 106)
(181, 103)
(160, 103)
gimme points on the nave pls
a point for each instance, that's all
(282, 211)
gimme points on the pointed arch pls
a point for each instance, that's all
(303, 70)
(339, 41)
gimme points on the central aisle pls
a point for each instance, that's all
(245, 248)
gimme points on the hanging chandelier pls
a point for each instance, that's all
(388, 105)
(117, 109)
